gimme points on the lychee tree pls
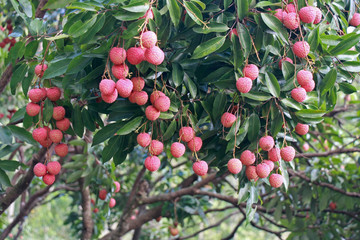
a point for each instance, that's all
(183, 112)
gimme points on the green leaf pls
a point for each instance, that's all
(22, 134)
(350, 66)
(31, 49)
(284, 173)
(219, 106)
(9, 165)
(177, 74)
(79, 28)
(347, 88)
(60, 36)
(258, 96)
(56, 68)
(272, 84)
(208, 47)
(193, 12)
(254, 127)
(170, 130)
(242, 8)
(84, 6)
(314, 39)
(245, 38)
(345, 44)
(5, 135)
(89, 122)
(191, 86)
(211, 27)
(77, 64)
(110, 149)
(27, 7)
(17, 77)
(310, 113)
(174, 11)
(119, 157)
(244, 192)
(137, 6)
(19, 114)
(274, 24)
(48, 110)
(328, 82)
(4, 179)
(133, 29)
(288, 70)
(74, 176)
(130, 126)
(78, 123)
(123, 15)
(289, 102)
(56, 4)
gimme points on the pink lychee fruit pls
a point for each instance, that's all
(39, 134)
(58, 113)
(301, 49)
(45, 93)
(318, 15)
(307, 14)
(55, 136)
(32, 109)
(247, 157)
(244, 84)
(148, 39)
(305, 147)
(124, 87)
(152, 113)
(270, 164)
(156, 147)
(53, 167)
(298, 94)
(262, 170)
(148, 15)
(309, 86)
(152, 163)
(290, 8)
(107, 86)
(234, 165)
(280, 14)
(251, 71)
(132, 97)
(120, 71)
(276, 180)
(46, 143)
(301, 129)
(195, 144)
(155, 95)
(102, 194)
(287, 59)
(39, 170)
(355, 20)
(266, 143)
(177, 149)
(48, 179)
(228, 119)
(200, 168)
(250, 173)
(143, 139)
(117, 55)
(141, 98)
(40, 69)
(61, 149)
(63, 124)
(303, 77)
(53, 93)
(112, 202)
(287, 153)
(291, 21)
(154, 55)
(117, 186)
(110, 98)
(274, 154)
(135, 55)
(36, 95)
(186, 134)
(138, 83)
(162, 103)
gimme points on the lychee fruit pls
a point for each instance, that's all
(148, 15)
(140, 98)
(200, 168)
(276, 180)
(117, 186)
(250, 173)
(45, 93)
(112, 202)
(55, 136)
(32, 109)
(120, 71)
(301, 49)
(274, 154)
(102, 194)
(96, 210)
(152, 113)
(177, 149)
(132, 97)
(309, 86)
(152, 163)
(63, 124)
(233, 31)
(266, 143)
(46, 143)
(39, 134)
(53, 167)
(143, 139)
(355, 20)
(307, 14)
(270, 164)
(107, 86)
(262, 170)
(58, 113)
(162, 104)
(244, 84)
(61, 150)
(247, 157)
(148, 39)
(318, 15)
(48, 179)
(280, 14)
(301, 129)
(36, 95)
(234, 165)
(155, 95)
(228, 119)
(303, 77)
(290, 8)
(135, 55)
(291, 21)
(195, 144)
(124, 87)
(53, 93)
(332, 205)
(40, 69)
(110, 98)
(287, 59)
(154, 55)
(186, 134)
(287, 153)
(251, 71)
(138, 84)
(117, 55)
(298, 94)
(305, 147)
(156, 147)
(39, 170)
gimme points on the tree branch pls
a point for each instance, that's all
(328, 153)
(88, 224)
(232, 234)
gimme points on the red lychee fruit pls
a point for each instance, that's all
(135, 55)
(124, 87)
(58, 113)
(117, 55)
(36, 95)
(247, 157)
(45, 93)
(290, 8)
(200, 168)
(270, 164)
(233, 31)
(244, 84)
(148, 39)
(107, 86)
(274, 154)
(156, 147)
(266, 143)
(287, 59)
(32, 109)
(305, 147)
(303, 77)
(154, 55)
(39, 134)
(39, 170)
(301, 129)
(48, 179)
(148, 15)
(152, 163)
(110, 98)
(40, 69)
(138, 83)
(332, 205)
(287, 153)
(132, 97)
(143, 139)
(291, 21)
(318, 15)
(234, 165)
(61, 150)
(120, 71)
(177, 149)
(173, 231)
(250, 173)
(53, 93)
(63, 124)
(251, 71)
(162, 103)
(53, 167)
(355, 20)
(276, 180)
(195, 144)
(46, 143)
(117, 186)
(55, 136)
(280, 14)
(112, 202)
(155, 95)
(301, 49)
(158, 219)
(309, 86)
(262, 170)
(186, 134)
(298, 94)
(96, 210)
(140, 98)
(228, 119)
(152, 113)
(307, 14)
(102, 194)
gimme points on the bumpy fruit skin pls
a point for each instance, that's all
(251, 71)
(39, 170)
(262, 170)
(132, 97)
(250, 173)
(124, 87)
(186, 134)
(117, 55)
(135, 55)
(55, 136)
(149, 14)
(307, 14)
(143, 139)
(112, 202)
(53, 94)
(49, 179)
(266, 143)
(195, 144)
(107, 86)
(332, 205)
(291, 21)
(152, 113)
(177, 149)
(154, 55)
(355, 21)
(290, 8)
(45, 93)
(117, 186)
(318, 15)
(303, 77)
(39, 134)
(309, 86)
(244, 84)
(247, 157)
(63, 124)
(40, 69)
(274, 154)
(305, 147)
(162, 103)
(200, 168)
(102, 194)
(287, 59)
(234, 165)
(228, 119)
(138, 84)
(46, 143)
(155, 95)
(287, 153)
(270, 164)
(156, 147)
(32, 109)
(110, 98)
(148, 39)
(53, 167)
(301, 49)
(36, 95)
(276, 180)
(298, 94)
(58, 113)
(152, 163)
(61, 150)
(301, 129)
(280, 14)
(141, 98)
(120, 71)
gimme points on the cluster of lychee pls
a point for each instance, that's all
(7, 40)
(48, 171)
(103, 193)
(250, 72)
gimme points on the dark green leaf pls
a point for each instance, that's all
(328, 81)
(272, 84)
(254, 127)
(48, 110)
(9, 165)
(5, 135)
(130, 126)
(242, 8)
(245, 39)
(18, 115)
(110, 149)
(208, 47)
(22, 134)
(211, 27)
(105, 133)
(177, 74)
(345, 44)
(137, 6)
(193, 12)
(56, 68)
(274, 24)
(56, 4)
(18, 76)
(170, 131)
(310, 113)
(347, 88)
(4, 179)
(78, 123)
(174, 11)
(31, 49)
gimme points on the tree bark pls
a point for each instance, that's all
(88, 224)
